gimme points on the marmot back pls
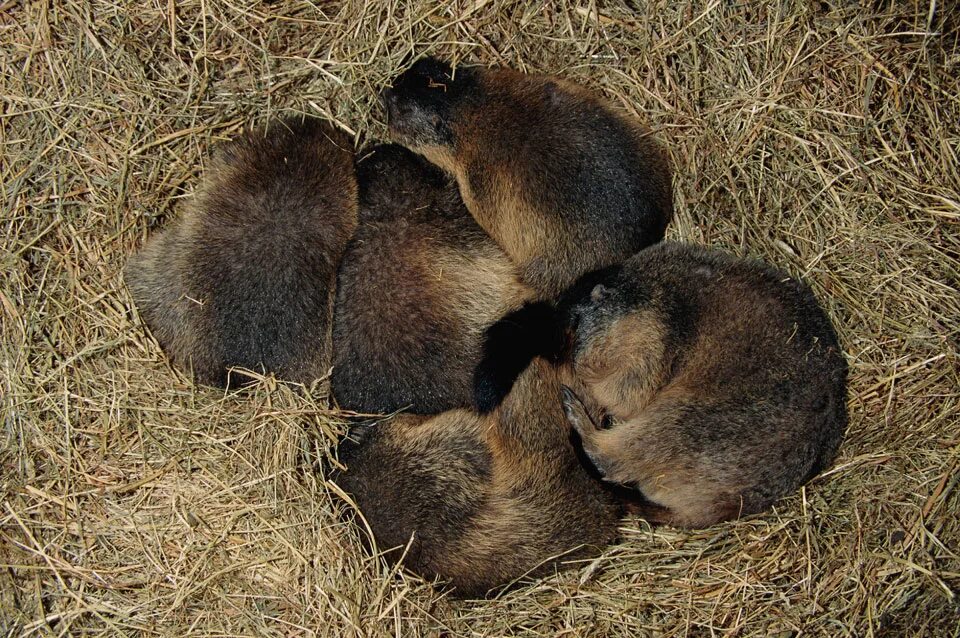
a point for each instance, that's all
(715, 385)
(245, 278)
(481, 500)
(418, 285)
(561, 180)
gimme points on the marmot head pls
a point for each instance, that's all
(618, 343)
(421, 106)
(597, 312)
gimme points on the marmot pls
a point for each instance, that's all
(714, 385)
(564, 182)
(419, 284)
(481, 500)
(245, 278)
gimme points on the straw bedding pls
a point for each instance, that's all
(821, 136)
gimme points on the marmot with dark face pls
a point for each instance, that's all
(479, 501)
(714, 385)
(245, 278)
(561, 180)
(419, 284)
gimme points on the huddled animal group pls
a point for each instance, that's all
(497, 280)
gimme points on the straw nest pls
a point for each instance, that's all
(822, 136)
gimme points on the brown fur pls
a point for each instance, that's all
(245, 278)
(481, 500)
(419, 284)
(714, 385)
(561, 180)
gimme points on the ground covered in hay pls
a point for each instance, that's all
(821, 136)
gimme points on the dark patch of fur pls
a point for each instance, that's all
(510, 345)
(539, 329)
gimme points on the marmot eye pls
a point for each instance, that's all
(606, 422)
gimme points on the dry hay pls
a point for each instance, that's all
(822, 136)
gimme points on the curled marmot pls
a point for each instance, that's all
(245, 278)
(561, 180)
(418, 285)
(481, 500)
(714, 385)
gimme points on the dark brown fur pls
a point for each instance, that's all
(418, 285)
(481, 500)
(717, 384)
(561, 180)
(245, 278)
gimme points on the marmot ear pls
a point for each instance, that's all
(553, 92)
(703, 270)
(599, 293)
